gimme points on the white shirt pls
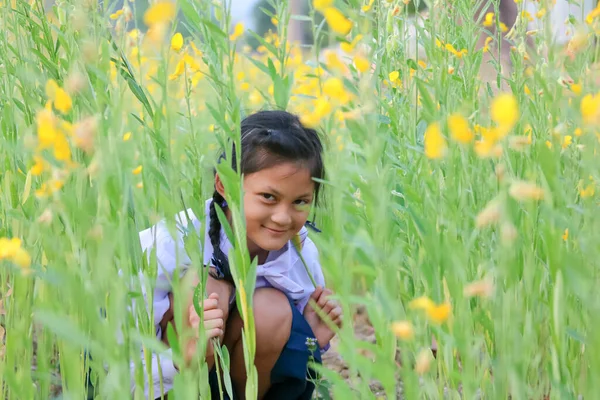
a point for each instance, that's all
(282, 270)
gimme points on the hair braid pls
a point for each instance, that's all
(219, 259)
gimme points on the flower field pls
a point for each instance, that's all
(460, 206)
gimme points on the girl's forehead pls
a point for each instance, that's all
(286, 176)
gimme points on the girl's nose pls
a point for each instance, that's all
(281, 218)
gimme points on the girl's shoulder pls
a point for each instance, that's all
(173, 229)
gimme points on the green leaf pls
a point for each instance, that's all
(64, 328)
(224, 222)
(428, 103)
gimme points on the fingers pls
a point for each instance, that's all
(211, 303)
(336, 316)
(324, 298)
(317, 293)
(214, 333)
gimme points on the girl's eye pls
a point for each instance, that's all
(302, 202)
(267, 196)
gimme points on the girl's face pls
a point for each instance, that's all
(276, 202)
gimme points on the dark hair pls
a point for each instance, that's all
(268, 138)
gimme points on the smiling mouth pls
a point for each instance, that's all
(274, 230)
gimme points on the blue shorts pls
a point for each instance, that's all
(291, 377)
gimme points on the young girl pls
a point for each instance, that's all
(279, 159)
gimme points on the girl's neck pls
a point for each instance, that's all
(253, 249)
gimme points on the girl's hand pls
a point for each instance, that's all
(213, 324)
(330, 308)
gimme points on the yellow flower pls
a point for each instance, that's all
(62, 101)
(578, 132)
(489, 19)
(137, 170)
(403, 330)
(435, 143)
(565, 235)
(522, 191)
(540, 13)
(38, 167)
(179, 69)
(126, 136)
(595, 13)
(238, 31)
(337, 21)
(505, 111)
(526, 90)
(159, 13)
(367, 7)
(527, 15)
(590, 109)
(349, 47)
(450, 70)
(9, 247)
(586, 191)
(177, 41)
(117, 14)
(421, 303)
(567, 140)
(576, 88)
(489, 215)
(334, 89)
(62, 151)
(486, 45)
(439, 313)
(46, 128)
(459, 129)
(503, 27)
(361, 63)
(321, 5)
(22, 258)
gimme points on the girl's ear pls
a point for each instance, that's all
(219, 186)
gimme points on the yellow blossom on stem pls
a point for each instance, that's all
(10, 249)
(116, 14)
(439, 313)
(361, 64)
(421, 303)
(238, 31)
(321, 5)
(586, 191)
(489, 19)
(435, 143)
(367, 7)
(177, 42)
(403, 330)
(565, 235)
(159, 13)
(459, 129)
(505, 112)
(337, 21)
(486, 45)
(590, 109)
(137, 170)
